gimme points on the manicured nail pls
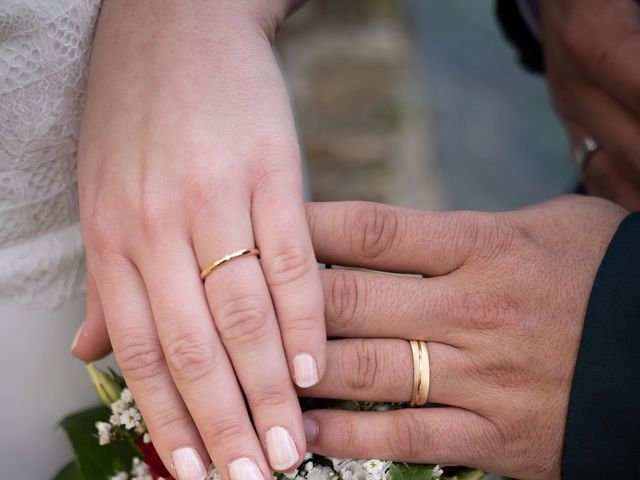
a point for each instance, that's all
(305, 370)
(311, 429)
(282, 450)
(74, 344)
(244, 469)
(188, 464)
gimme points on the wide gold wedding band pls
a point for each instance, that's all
(421, 374)
(227, 258)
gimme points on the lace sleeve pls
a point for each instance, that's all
(44, 51)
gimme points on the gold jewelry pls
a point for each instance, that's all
(421, 374)
(227, 258)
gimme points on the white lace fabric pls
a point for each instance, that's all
(44, 51)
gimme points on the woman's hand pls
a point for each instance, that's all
(502, 307)
(188, 152)
(591, 49)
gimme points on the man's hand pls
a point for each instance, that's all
(591, 54)
(502, 306)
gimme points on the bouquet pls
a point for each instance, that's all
(111, 442)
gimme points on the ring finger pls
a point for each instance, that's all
(602, 174)
(381, 370)
(241, 305)
(199, 364)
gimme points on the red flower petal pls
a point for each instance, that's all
(151, 458)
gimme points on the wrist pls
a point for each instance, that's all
(265, 17)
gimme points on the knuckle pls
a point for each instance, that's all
(410, 437)
(273, 397)
(491, 233)
(464, 230)
(139, 359)
(373, 231)
(345, 297)
(190, 357)
(202, 194)
(223, 432)
(484, 310)
(153, 218)
(269, 149)
(170, 420)
(360, 373)
(289, 266)
(242, 321)
(498, 374)
(99, 231)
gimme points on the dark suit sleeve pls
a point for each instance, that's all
(602, 437)
(515, 29)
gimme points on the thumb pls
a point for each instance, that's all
(92, 340)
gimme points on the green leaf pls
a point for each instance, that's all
(468, 475)
(69, 472)
(410, 471)
(97, 462)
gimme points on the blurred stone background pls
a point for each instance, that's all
(419, 103)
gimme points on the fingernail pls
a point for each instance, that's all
(282, 450)
(244, 469)
(188, 464)
(74, 344)
(311, 429)
(305, 370)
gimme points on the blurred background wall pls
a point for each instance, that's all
(420, 103)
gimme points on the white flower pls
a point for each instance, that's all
(290, 475)
(103, 427)
(104, 432)
(382, 407)
(213, 474)
(350, 469)
(140, 470)
(126, 396)
(321, 473)
(146, 438)
(130, 418)
(437, 472)
(120, 476)
(114, 419)
(141, 428)
(376, 469)
(119, 406)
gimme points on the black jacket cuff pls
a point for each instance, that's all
(602, 437)
(516, 31)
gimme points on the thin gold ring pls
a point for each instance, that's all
(227, 258)
(421, 373)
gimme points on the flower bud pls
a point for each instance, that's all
(108, 389)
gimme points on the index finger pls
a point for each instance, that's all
(382, 237)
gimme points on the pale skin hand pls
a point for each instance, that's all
(591, 50)
(502, 307)
(188, 152)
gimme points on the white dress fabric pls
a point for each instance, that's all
(44, 50)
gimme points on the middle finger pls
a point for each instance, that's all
(374, 304)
